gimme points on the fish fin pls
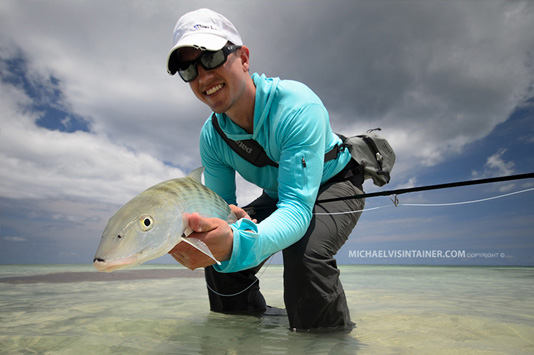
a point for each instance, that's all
(197, 174)
(232, 218)
(201, 246)
(187, 232)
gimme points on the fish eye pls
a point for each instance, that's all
(146, 222)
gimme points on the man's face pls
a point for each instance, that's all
(222, 87)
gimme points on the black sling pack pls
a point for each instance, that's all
(253, 152)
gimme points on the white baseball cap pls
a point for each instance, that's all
(203, 29)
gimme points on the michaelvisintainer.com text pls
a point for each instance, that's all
(432, 254)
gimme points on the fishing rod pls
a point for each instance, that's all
(431, 187)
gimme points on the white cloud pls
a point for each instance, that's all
(38, 163)
(112, 74)
(496, 165)
(15, 239)
(442, 73)
(412, 182)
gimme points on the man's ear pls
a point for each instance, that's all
(244, 55)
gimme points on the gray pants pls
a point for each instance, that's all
(313, 293)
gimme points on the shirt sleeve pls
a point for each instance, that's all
(299, 177)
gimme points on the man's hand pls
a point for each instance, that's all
(217, 235)
(241, 213)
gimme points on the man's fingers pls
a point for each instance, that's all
(188, 256)
(201, 224)
(241, 213)
(216, 234)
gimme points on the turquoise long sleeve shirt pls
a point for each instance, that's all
(292, 125)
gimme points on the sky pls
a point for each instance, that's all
(89, 117)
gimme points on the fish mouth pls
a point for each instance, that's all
(108, 266)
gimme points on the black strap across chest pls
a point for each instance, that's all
(253, 152)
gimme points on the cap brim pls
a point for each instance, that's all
(203, 41)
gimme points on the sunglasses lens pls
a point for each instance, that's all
(188, 71)
(211, 60)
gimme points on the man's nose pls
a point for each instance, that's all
(203, 74)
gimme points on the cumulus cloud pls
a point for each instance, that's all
(38, 163)
(433, 75)
(112, 74)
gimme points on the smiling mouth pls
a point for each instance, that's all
(214, 89)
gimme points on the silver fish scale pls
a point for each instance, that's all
(195, 197)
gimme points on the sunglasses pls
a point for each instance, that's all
(208, 59)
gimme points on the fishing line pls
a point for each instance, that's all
(249, 286)
(396, 204)
(465, 202)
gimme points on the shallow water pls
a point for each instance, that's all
(397, 309)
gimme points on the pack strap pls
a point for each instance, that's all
(253, 152)
(248, 149)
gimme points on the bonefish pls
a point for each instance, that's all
(152, 223)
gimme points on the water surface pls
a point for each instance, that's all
(397, 309)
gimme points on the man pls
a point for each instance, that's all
(292, 126)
